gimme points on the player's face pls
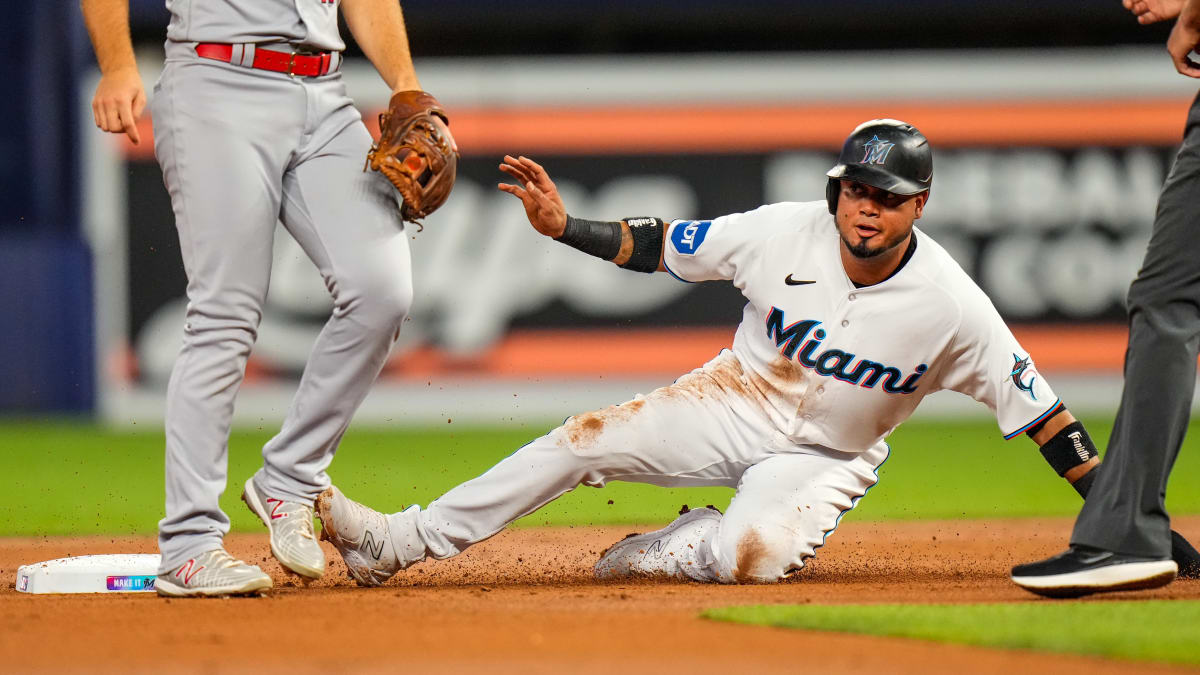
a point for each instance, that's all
(872, 221)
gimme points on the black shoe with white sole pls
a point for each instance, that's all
(1083, 570)
(1186, 556)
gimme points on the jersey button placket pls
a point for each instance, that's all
(802, 416)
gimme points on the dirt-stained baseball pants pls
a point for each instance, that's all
(241, 149)
(703, 430)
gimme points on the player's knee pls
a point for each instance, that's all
(380, 304)
(580, 436)
(226, 321)
(603, 433)
(392, 303)
(758, 554)
(587, 464)
(584, 459)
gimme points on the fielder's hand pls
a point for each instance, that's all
(543, 205)
(119, 102)
(1153, 11)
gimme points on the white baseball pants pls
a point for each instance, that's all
(708, 428)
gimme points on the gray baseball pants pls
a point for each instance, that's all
(241, 149)
(1125, 510)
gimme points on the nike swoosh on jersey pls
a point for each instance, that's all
(797, 282)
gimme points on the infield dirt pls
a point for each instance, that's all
(525, 602)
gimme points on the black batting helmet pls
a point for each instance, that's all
(888, 154)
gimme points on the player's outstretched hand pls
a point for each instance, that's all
(543, 205)
(119, 102)
(1153, 11)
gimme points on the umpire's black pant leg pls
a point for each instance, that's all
(1125, 509)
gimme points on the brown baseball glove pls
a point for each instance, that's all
(416, 152)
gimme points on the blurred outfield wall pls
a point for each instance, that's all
(1047, 167)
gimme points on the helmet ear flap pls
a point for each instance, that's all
(832, 189)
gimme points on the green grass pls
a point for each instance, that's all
(967, 470)
(1151, 630)
(76, 478)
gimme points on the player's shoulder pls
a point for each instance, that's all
(795, 214)
(949, 280)
(781, 217)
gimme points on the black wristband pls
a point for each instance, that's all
(601, 239)
(1084, 485)
(1069, 448)
(647, 244)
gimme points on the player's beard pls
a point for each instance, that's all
(863, 251)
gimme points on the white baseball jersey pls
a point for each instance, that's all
(842, 366)
(312, 23)
(793, 417)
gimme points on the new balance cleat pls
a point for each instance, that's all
(360, 534)
(665, 552)
(213, 573)
(293, 541)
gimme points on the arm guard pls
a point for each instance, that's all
(601, 239)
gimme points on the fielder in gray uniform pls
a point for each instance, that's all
(1122, 538)
(253, 126)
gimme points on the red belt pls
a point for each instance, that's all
(308, 65)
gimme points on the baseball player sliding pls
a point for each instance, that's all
(852, 317)
(253, 126)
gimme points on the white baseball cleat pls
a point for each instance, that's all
(212, 573)
(360, 534)
(664, 552)
(293, 542)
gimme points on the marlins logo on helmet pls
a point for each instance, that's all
(877, 151)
